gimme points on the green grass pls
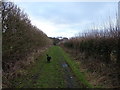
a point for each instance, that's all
(49, 75)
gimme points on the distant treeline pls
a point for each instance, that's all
(102, 44)
(19, 36)
(58, 40)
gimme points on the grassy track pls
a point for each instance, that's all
(52, 75)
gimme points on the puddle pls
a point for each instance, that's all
(64, 65)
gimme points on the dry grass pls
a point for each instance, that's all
(19, 68)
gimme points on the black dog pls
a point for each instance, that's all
(48, 58)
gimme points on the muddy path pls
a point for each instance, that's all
(71, 80)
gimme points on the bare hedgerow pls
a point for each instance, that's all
(98, 43)
(20, 37)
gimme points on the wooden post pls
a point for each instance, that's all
(118, 51)
(118, 16)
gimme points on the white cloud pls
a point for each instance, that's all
(54, 30)
(45, 26)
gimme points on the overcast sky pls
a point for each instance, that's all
(68, 18)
